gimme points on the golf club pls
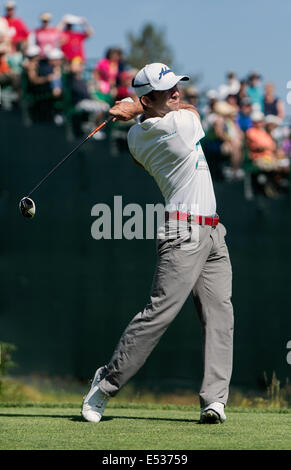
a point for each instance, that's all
(27, 205)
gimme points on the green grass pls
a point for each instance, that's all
(140, 426)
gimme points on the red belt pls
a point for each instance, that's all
(196, 219)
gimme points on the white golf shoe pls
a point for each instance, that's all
(213, 414)
(95, 401)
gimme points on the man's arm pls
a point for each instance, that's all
(61, 25)
(189, 107)
(87, 28)
(124, 110)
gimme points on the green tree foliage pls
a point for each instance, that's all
(148, 46)
(6, 350)
(6, 363)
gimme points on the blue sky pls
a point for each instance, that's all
(208, 37)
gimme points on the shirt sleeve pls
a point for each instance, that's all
(131, 145)
(130, 141)
(188, 125)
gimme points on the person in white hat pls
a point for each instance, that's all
(265, 155)
(228, 135)
(72, 39)
(55, 59)
(260, 144)
(194, 259)
(231, 87)
(32, 69)
(18, 29)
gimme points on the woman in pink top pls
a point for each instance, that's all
(106, 71)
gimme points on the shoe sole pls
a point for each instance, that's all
(210, 417)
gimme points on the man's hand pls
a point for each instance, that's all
(125, 111)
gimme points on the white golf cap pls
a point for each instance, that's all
(212, 95)
(72, 19)
(32, 51)
(271, 119)
(157, 77)
(10, 4)
(257, 116)
(55, 54)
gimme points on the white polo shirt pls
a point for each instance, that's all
(169, 149)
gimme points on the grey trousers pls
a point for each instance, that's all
(203, 268)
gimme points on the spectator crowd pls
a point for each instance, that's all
(44, 69)
(244, 124)
(45, 72)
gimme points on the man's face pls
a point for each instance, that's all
(255, 81)
(231, 99)
(9, 12)
(269, 88)
(246, 109)
(163, 102)
(259, 124)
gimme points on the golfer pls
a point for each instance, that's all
(192, 253)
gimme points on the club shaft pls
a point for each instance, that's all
(69, 154)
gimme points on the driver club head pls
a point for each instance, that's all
(27, 207)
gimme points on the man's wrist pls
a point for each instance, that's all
(126, 110)
(138, 108)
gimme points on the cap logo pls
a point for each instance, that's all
(163, 72)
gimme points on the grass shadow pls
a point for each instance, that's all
(152, 419)
(14, 415)
(76, 418)
(81, 419)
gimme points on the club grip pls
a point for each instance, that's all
(128, 99)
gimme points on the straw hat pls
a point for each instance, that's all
(46, 16)
(224, 109)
